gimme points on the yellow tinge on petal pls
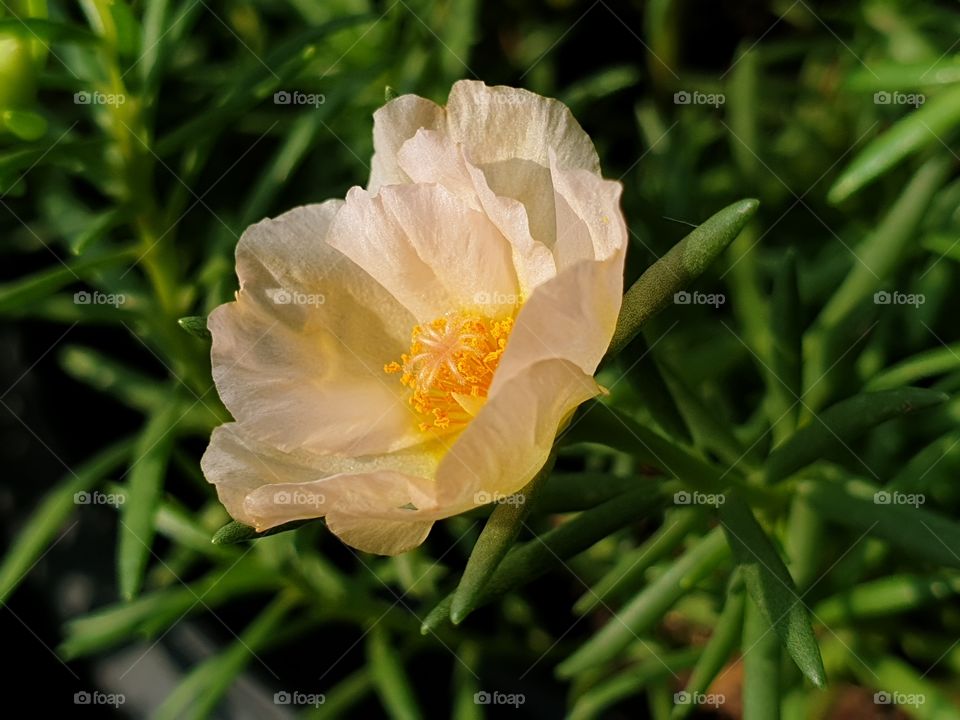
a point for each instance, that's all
(450, 366)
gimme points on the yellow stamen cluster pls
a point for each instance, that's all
(450, 366)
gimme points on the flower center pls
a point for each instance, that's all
(450, 366)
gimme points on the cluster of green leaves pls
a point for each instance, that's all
(787, 407)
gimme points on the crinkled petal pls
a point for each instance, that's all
(299, 357)
(381, 537)
(590, 225)
(432, 157)
(393, 124)
(502, 123)
(264, 487)
(428, 248)
(508, 442)
(571, 317)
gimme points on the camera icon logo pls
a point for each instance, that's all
(882, 698)
(481, 698)
(82, 698)
(681, 497)
(881, 297)
(681, 98)
(81, 498)
(681, 698)
(82, 98)
(882, 97)
(82, 297)
(881, 497)
(682, 297)
(281, 97)
(281, 296)
(282, 497)
(282, 698)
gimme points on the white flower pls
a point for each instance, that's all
(468, 295)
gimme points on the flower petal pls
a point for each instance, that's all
(428, 248)
(590, 225)
(432, 157)
(393, 124)
(310, 374)
(570, 317)
(264, 487)
(381, 537)
(502, 123)
(508, 442)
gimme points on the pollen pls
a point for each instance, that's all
(450, 366)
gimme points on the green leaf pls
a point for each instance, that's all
(632, 681)
(46, 282)
(465, 683)
(886, 596)
(761, 666)
(198, 694)
(46, 30)
(769, 584)
(709, 430)
(723, 641)
(682, 264)
(43, 524)
(129, 386)
(841, 424)
(786, 333)
(598, 423)
(152, 613)
(892, 675)
(921, 128)
(235, 532)
(249, 87)
(144, 487)
(628, 574)
(342, 697)
(573, 492)
(649, 606)
(495, 540)
(645, 377)
(922, 533)
(196, 325)
(389, 678)
(879, 254)
(25, 124)
(545, 552)
(937, 361)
